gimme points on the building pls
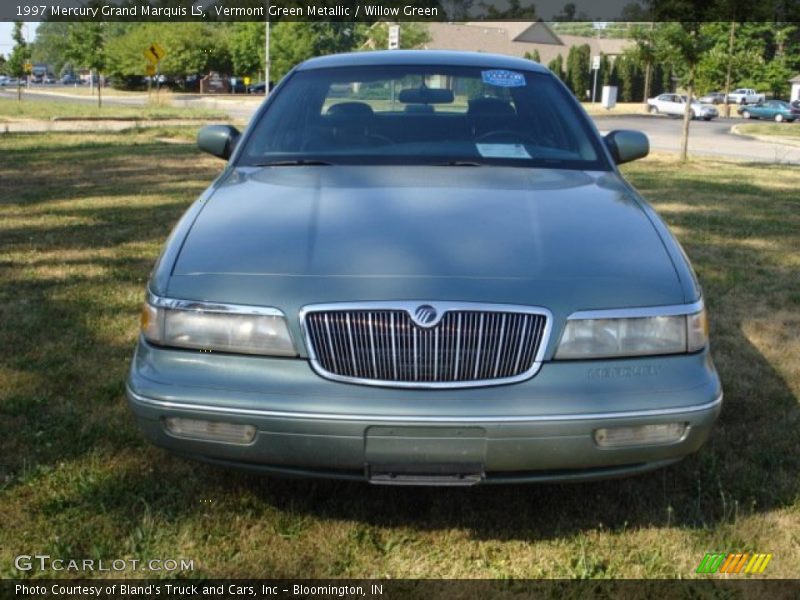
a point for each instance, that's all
(517, 38)
(795, 93)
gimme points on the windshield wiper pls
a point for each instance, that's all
(458, 163)
(299, 162)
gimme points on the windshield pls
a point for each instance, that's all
(433, 115)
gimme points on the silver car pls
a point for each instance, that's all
(675, 105)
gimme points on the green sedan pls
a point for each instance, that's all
(777, 110)
(424, 268)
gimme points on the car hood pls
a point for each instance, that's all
(290, 236)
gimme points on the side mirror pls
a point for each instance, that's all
(219, 140)
(626, 145)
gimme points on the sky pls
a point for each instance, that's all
(6, 41)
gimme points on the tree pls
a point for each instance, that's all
(247, 41)
(20, 55)
(514, 10)
(534, 56)
(682, 45)
(86, 47)
(578, 63)
(192, 48)
(294, 42)
(50, 46)
(3, 65)
(557, 66)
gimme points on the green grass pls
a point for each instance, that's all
(791, 130)
(82, 218)
(35, 108)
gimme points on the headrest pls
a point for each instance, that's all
(350, 109)
(490, 107)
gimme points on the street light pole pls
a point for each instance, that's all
(266, 53)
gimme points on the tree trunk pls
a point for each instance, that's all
(728, 73)
(648, 68)
(99, 95)
(687, 115)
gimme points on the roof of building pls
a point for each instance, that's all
(516, 38)
(795, 79)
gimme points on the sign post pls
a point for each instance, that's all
(153, 53)
(595, 68)
(394, 37)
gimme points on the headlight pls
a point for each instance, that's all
(216, 327)
(616, 336)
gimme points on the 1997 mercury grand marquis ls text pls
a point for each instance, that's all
(424, 268)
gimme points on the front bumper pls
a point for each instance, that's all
(537, 430)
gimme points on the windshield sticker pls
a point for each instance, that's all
(502, 151)
(503, 78)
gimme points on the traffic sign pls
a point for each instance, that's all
(150, 70)
(154, 53)
(394, 37)
(595, 63)
(28, 67)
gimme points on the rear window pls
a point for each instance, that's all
(424, 115)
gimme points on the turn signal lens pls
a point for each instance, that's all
(643, 435)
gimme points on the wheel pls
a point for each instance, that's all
(706, 118)
(746, 114)
(779, 118)
(653, 110)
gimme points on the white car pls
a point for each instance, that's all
(675, 104)
(3, 80)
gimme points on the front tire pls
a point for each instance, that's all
(779, 118)
(746, 114)
(653, 110)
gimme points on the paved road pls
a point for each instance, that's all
(712, 138)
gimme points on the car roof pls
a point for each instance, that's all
(421, 57)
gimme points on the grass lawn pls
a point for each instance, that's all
(82, 219)
(38, 108)
(790, 130)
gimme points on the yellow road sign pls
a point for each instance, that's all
(247, 81)
(28, 67)
(150, 70)
(158, 50)
(154, 53)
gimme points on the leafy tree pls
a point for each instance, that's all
(86, 47)
(294, 42)
(682, 45)
(534, 56)
(3, 65)
(50, 46)
(191, 48)
(19, 56)
(557, 66)
(578, 63)
(247, 41)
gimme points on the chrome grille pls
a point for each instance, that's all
(466, 346)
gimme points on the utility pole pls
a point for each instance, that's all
(266, 53)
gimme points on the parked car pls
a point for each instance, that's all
(69, 79)
(712, 98)
(745, 96)
(48, 79)
(777, 110)
(257, 88)
(237, 86)
(675, 105)
(3, 80)
(433, 296)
